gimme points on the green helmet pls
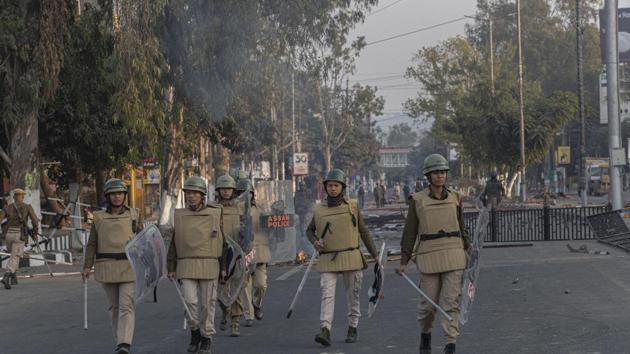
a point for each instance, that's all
(336, 175)
(114, 185)
(225, 181)
(243, 184)
(434, 162)
(195, 183)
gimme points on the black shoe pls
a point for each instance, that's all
(258, 312)
(425, 343)
(205, 346)
(123, 348)
(449, 348)
(323, 337)
(6, 280)
(14, 279)
(352, 335)
(195, 339)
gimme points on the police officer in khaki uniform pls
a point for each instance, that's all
(336, 231)
(257, 285)
(193, 258)
(435, 228)
(15, 232)
(111, 230)
(232, 212)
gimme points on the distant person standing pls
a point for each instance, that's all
(406, 191)
(382, 194)
(361, 196)
(397, 191)
(418, 187)
(377, 192)
(493, 192)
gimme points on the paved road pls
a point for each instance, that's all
(561, 303)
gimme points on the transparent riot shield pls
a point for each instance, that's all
(147, 254)
(471, 273)
(275, 202)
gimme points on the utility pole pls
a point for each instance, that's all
(580, 92)
(612, 88)
(521, 102)
(491, 55)
(293, 128)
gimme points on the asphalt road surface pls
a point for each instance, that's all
(539, 299)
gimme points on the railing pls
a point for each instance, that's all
(545, 224)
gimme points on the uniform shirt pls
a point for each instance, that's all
(13, 220)
(90, 251)
(363, 232)
(412, 225)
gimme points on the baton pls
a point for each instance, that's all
(179, 292)
(426, 297)
(299, 290)
(85, 317)
(308, 270)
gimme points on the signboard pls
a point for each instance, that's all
(623, 34)
(563, 155)
(152, 176)
(278, 221)
(300, 164)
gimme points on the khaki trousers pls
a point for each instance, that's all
(16, 247)
(255, 289)
(259, 284)
(444, 289)
(201, 297)
(235, 311)
(122, 310)
(328, 282)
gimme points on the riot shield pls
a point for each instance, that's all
(471, 273)
(375, 292)
(274, 199)
(147, 254)
(236, 273)
(246, 229)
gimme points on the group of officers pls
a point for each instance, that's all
(434, 238)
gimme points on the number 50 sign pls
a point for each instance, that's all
(300, 164)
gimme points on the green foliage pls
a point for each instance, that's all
(402, 135)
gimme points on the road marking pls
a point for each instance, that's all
(289, 273)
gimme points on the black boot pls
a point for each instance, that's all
(14, 279)
(195, 339)
(205, 346)
(352, 335)
(425, 343)
(123, 348)
(258, 312)
(323, 337)
(449, 348)
(6, 280)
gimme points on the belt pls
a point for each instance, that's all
(441, 234)
(111, 255)
(337, 252)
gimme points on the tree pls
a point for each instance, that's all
(402, 135)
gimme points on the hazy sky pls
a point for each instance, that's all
(383, 64)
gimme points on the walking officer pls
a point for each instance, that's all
(257, 284)
(232, 213)
(16, 233)
(111, 230)
(193, 258)
(336, 231)
(435, 226)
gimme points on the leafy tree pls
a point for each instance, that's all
(402, 135)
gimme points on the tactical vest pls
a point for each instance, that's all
(261, 238)
(113, 231)
(341, 242)
(232, 221)
(198, 242)
(440, 247)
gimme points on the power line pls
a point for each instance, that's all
(383, 8)
(416, 31)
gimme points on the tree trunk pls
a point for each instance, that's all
(508, 191)
(25, 159)
(172, 171)
(221, 161)
(100, 186)
(328, 157)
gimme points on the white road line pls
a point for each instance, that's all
(291, 272)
